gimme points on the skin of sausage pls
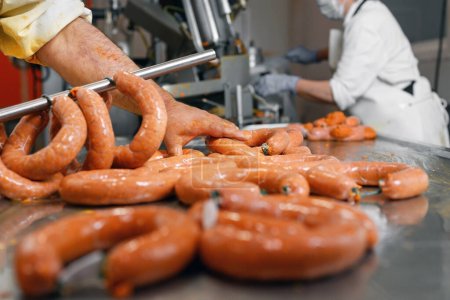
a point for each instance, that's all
(200, 183)
(341, 132)
(257, 137)
(117, 187)
(268, 241)
(295, 140)
(100, 137)
(369, 173)
(302, 150)
(156, 165)
(335, 118)
(320, 123)
(14, 186)
(271, 141)
(329, 180)
(149, 244)
(276, 143)
(352, 121)
(369, 133)
(405, 183)
(154, 121)
(231, 147)
(61, 151)
(24, 135)
(319, 134)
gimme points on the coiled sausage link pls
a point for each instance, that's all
(154, 121)
(199, 184)
(340, 180)
(100, 139)
(149, 244)
(17, 187)
(61, 151)
(266, 240)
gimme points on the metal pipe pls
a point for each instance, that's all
(17, 111)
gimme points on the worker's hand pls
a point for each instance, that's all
(302, 55)
(276, 83)
(187, 122)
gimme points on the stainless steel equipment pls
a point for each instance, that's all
(209, 26)
(43, 103)
(411, 261)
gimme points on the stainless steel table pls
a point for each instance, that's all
(412, 260)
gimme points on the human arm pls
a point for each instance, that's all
(310, 89)
(306, 56)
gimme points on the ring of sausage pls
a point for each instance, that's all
(148, 244)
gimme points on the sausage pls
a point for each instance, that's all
(406, 183)
(277, 142)
(320, 123)
(154, 121)
(149, 244)
(264, 240)
(352, 121)
(117, 187)
(231, 147)
(17, 187)
(295, 140)
(302, 150)
(3, 136)
(58, 154)
(319, 134)
(271, 141)
(335, 118)
(342, 180)
(199, 184)
(100, 137)
(329, 180)
(156, 165)
(24, 136)
(342, 132)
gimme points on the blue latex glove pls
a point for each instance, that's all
(302, 55)
(276, 83)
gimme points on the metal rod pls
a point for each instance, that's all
(39, 104)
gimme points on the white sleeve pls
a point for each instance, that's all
(27, 25)
(362, 59)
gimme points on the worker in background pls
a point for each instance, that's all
(377, 78)
(58, 34)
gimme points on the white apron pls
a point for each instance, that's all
(395, 113)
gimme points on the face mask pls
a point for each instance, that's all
(331, 9)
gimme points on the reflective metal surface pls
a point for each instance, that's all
(412, 260)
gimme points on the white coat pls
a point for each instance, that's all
(377, 63)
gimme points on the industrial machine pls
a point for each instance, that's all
(224, 86)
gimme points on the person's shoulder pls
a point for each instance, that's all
(373, 16)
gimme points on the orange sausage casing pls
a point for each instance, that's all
(199, 184)
(275, 241)
(61, 151)
(117, 187)
(149, 244)
(154, 121)
(17, 187)
(100, 145)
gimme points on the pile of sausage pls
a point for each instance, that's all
(252, 214)
(336, 127)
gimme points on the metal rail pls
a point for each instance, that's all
(39, 104)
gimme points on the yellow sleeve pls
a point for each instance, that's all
(27, 25)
